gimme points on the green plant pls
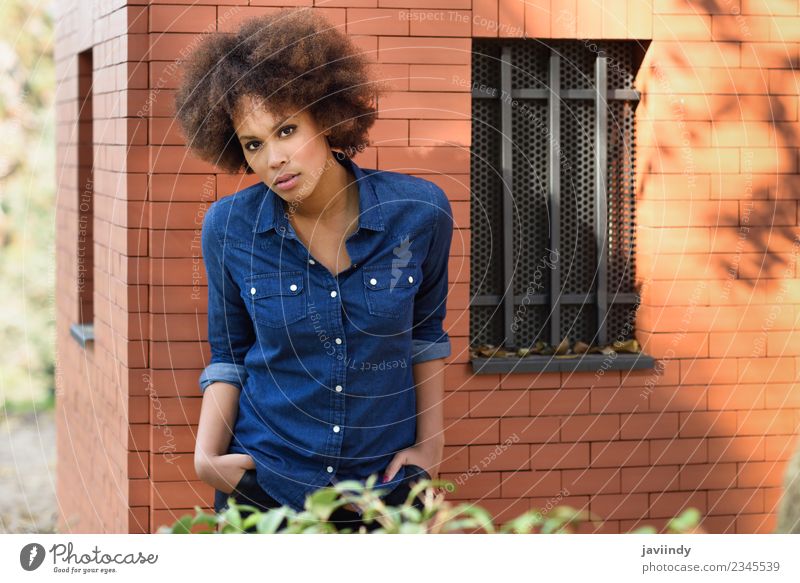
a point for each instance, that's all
(435, 517)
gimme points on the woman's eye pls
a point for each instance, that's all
(255, 144)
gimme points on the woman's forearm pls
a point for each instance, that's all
(217, 418)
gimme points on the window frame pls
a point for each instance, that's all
(601, 96)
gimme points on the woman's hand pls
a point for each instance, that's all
(223, 472)
(427, 455)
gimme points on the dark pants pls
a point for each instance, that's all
(249, 492)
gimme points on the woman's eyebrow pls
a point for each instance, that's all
(275, 127)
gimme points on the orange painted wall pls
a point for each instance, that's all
(711, 427)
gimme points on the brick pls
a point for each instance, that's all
(760, 474)
(619, 400)
(767, 422)
(180, 494)
(424, 105)
(537, 19)
(503, 510)
(551, 456)
(640, 21)
(703, 424)
(765, 369)
(592, 481)
(728, 344)
(678, 451)
(737, 27)
(498, 403)
(380, 21)
(731, 397)
(680, 398)
(706, 476)
(445, 23)
(500, 457)
(650, 479)
(735, 500)
(619, 453)
(779, 447)
(618, 506)
(779, 396)
(530, 429)
(671, 504)
(695, 27)
(559, 402)
(484, 18)
(473, 487)
(648, 425)
(769, 7)
(510, 19)
(439, 78)
(756, 524)
(469, 431)
(183, 19)
(440, 132)
(425, 50)
(680, 344)
(708, 370)
(590, 428)
(525, 484)
(735, 449)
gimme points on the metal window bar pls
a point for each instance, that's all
(554, 187)
(600, 195)
(508, 195)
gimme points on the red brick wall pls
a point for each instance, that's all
(101, 405)
(711, 427)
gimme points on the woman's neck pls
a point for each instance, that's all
(335, 200)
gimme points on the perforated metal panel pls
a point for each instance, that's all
(552, 256)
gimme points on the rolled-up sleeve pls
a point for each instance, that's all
(428, 337)
(230, 330)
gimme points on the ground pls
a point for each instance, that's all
(27, 472)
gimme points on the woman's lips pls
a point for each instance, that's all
(287, 184)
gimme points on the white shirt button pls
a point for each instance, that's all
(330, 469)
(333, 294)
(373, 281)
(311, 261)
(338, 388)
(338, 341)
(293, 287)
(252, 291)
(336, 429)
(410, 279)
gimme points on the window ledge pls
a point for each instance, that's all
(83, 333)
(585, 363)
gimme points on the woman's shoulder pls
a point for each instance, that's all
(234, 215)
(408, 193)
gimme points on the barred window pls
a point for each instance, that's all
(552, 211)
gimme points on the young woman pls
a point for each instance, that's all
(327, 282)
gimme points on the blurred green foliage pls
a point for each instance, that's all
(27, 204)
(438, 516)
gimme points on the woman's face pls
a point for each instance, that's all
(275, 147)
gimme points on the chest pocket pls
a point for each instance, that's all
(276, 299)
(390, 291)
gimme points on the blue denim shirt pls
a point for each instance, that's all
(324, 363)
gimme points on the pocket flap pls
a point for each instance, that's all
(281, 283)
(387, 276)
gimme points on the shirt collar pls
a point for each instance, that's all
(271, 214)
